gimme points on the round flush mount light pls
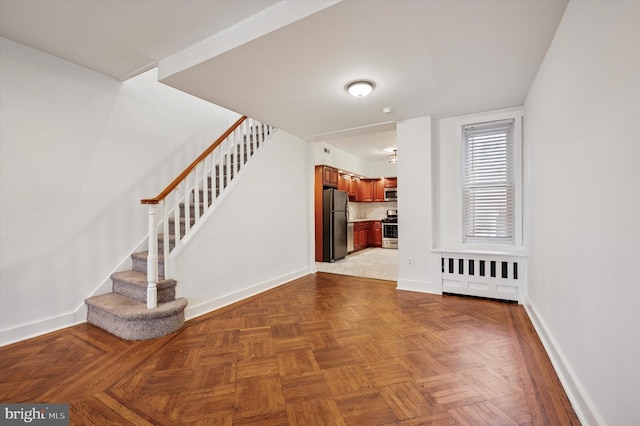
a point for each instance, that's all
(360, 88)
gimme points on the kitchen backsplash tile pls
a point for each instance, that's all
(373, 211)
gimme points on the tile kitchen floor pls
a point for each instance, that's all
(373, 262)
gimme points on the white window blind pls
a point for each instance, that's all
(489, 182)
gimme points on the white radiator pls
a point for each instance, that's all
(484, 274)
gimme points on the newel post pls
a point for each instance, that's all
(152, 260)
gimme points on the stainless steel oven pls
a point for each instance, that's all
(390, 230)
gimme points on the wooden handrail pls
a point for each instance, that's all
(161, 196)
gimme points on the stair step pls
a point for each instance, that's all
(172, 221)
(192, 206)
(210, 200)
(183, 221)
(133, 284)
(140, 262)
(172, 242)
(131, 320)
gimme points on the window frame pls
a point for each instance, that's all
(517, 168)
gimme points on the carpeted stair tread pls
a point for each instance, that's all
(132, 310)
(142, 255)
(172, 238)
(183, 220)
(140, 279)
(133, 284)
(139, 260)
(131, 320)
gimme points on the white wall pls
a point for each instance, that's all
(258, 237)
(337, 158)
(78, 152)
(583, 135)
(344, 161)
(378, 169)
(414, 205)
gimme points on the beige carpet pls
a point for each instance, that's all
(376, 263)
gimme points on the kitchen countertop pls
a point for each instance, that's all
(364, 220)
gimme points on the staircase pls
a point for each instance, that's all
(127, 311)
(124, 313)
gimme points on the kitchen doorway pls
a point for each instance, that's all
(371, 262)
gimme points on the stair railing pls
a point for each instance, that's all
(188, 198)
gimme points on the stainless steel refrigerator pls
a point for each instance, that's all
(334, 219)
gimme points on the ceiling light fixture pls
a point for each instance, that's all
(360, 88)
(393, 158)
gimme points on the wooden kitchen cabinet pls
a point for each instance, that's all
(344, 181)
(329, 176)
(390, 182)
(367, 234)
(378, 189)
(353, 188)
(376, 234)
(348, 184)
(358, 234)
(361, 235)
(359, 188)
(365, 191)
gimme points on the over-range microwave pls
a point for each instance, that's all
(391, 194)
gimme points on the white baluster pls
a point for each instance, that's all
(261, 133)
(205, 185)
(176, 216)
(212, 162)
(187, 207)
(227, 156)
(231, 150)
(196, 194)
(237, 151)
(220, 170)
(152, 260)
(241, 144)
(165, 238)
(247, 135)
(252, 131)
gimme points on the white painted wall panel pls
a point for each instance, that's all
(258, 237)
(582, 133)
(414, 205)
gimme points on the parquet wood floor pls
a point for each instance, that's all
(321, 350)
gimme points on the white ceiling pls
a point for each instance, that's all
(287, 66)
(119, 38)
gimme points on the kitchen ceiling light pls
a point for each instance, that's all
(393, 158)
(360, 88)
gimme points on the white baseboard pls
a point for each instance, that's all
(211, 305)
(419, 286)
(38, 328)
(582, 404)
(79, 316)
